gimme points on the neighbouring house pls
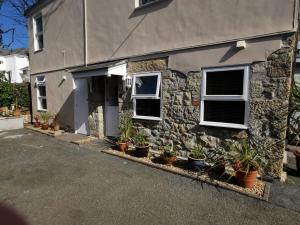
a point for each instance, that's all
(15, 64)
(190, 71)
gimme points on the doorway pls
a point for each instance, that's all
(111, 107)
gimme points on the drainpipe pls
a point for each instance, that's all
(85, 34)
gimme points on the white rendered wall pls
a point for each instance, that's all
(14, 64)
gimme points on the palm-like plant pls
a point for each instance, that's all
(244, 158)
(294, 114)
(126, 127)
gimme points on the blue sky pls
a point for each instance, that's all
(21, 38)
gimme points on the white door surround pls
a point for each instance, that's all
(81, 106)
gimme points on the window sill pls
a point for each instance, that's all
(226, 125)
(148, 4)
(147, 118)
(37, 51)
(42, 110)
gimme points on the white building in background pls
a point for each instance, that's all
(15, 65)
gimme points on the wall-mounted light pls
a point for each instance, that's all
(241, 44)
(64, 77)
(128, 82)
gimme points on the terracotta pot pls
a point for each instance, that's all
(17, 113)
(196, 164)
(56, 127)
(141, 152)
(297, 154)
(123, 147)
(246, 180)
(36, 124)
(45, 126)
(169, 160)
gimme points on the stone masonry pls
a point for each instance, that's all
(269, 92)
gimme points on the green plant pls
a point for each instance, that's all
(45, 116)
(294, 114)
(169, 151)
(197, 152)
(244, 158)
(140, 140)
(126, 127)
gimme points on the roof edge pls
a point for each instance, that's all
(39, 4)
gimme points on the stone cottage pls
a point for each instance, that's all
(189, 71)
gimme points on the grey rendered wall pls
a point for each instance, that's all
(60, 97)
(63, 37)
(115, 29)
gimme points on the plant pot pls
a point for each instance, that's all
(17, 113)
(141, 151)
(36, 124)
(246, 180)
(123, 147)
(169, 160)
(45, 126)
(56, 127)
(196, 164)
(297, 154)
(220, 168)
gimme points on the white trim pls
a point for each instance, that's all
(154, 96)
(243, 98)
(146, 96)
(228, 125)
(147, 118)
(37, 34)
(39, 97)
(139, 5)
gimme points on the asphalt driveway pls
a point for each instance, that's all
(54, 182)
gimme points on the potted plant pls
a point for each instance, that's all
(36, 122)
(169, 155)
(196, 158)
(246, 162)
(123, 144)
(141, 145)
(126, 129)
(45, 116)
(55, 125)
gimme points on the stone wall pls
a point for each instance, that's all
(96, 106)
(269, 95)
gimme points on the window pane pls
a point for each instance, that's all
(224, 111)
(146, 85)
(40, 40)
(39, 24)
(40, 78)
(148, 107)
(43, 103)
(225, 82)
(42, 91)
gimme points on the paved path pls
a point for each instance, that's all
(52, 182)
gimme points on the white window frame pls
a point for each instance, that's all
(156, 96)
(139, 5)
(244, 97)
(36, 34)
(39, 97)
(146, 96)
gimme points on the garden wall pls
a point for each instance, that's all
(268, 99)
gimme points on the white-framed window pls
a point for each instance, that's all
(38, 32)
(146, 96)
(140, 3)
(41, 93)
(224, 97)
